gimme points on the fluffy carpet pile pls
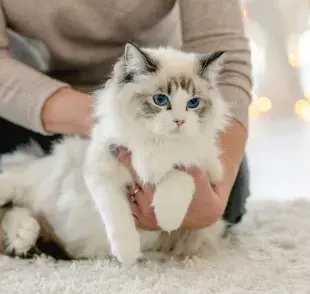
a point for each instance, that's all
(269, 253)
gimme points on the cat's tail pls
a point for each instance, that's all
(13, 171)
(23, 156)
(11, 189)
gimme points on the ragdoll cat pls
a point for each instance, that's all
(165, 107)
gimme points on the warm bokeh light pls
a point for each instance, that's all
(264, 104)
(305, 113)
(300, 104)
(293, 60)
(245, 13)
(259, 105)
(254, 112)
(302, 109)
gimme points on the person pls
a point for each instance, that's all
(53, 54)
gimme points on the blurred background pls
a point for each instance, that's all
(279, 140)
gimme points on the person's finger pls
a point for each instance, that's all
(143, 203)
(197, 173)
(124, 156)
(131, 189)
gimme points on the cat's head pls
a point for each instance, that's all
(168, 92)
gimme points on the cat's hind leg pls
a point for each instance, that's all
(10, 189)
(20, 229)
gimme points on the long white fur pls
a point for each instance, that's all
(80, 187)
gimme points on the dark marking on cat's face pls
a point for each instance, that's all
(149, 109)
(150, 65)
(137, 62)
(127, 77)
(207, 59)
(203, 109)
(173, 84)
(170, 87)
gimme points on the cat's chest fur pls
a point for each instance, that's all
(153, 159)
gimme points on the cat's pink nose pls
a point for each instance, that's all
(179, 122)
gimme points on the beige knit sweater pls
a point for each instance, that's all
(84, 38)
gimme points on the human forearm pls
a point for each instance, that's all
(232, 143)
(35, 101)
(68, 112)
(23, 91)
(210, 201)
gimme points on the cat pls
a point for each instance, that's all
(164, 105)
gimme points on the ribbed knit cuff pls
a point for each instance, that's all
(23, 92)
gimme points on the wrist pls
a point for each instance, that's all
(232, 143)
(192, 223)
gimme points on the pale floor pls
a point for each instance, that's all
(279, 158)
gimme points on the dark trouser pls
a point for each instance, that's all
(11, 136)
(235, 208)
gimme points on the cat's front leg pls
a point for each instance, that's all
(106, 179)
(172, 198)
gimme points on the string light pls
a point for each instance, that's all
(254, 112)
(293, 59)
(258, 106)
(245, 13)
(302, 109)
(264, 104)
(297, 48)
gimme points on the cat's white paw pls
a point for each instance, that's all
(127, 256)
(21, 230)
(172, 198)
(127, 248)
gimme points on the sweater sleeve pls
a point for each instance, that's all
(23, 90)
(218, 25)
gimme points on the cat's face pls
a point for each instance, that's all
(170, 93)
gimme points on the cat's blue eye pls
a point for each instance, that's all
(193, 103)
(160, 99)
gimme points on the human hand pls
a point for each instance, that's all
(140, 196)
(205, 209)
(207, 206)
(68, 111)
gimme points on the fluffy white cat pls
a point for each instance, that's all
(165, 107)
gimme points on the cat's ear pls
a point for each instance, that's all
(211, 65)
(137, 60)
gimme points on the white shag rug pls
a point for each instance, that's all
(270, 254)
